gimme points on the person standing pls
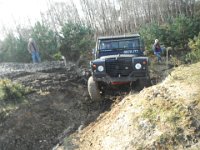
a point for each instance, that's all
(157, 50)
(34, 51)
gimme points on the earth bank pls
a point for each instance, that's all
(164, 116)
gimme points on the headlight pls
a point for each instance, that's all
(100, 68)
(138, 66)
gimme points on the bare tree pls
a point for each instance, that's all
(117, 16)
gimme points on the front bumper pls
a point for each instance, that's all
(130, 78)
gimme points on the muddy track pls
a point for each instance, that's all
(59, 105)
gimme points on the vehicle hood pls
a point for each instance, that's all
(117, 56)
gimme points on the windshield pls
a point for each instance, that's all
(119, 44)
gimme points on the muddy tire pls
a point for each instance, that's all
(93, 90)
(141, 83)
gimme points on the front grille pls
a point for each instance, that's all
(119, 67)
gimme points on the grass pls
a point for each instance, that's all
(164, 111)
(188, 74)
(176, 122)
(177, 119)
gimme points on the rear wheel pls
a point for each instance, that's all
(94, 90)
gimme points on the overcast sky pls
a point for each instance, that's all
(21, 10)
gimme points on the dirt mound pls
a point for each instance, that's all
(164, 116)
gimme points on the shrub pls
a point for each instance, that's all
(12, 93)
(77, 40)
(194, 44)
(14, 49)
(45, 39)
(57, 56)
(175, 33)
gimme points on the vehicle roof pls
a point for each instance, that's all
(119, 36)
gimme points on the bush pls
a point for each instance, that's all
(12, 93)
(77, 40)
(194, 44)
(14, 49)
(175, 33)
(57, 56)
(46, 40)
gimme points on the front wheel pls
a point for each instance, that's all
(94, 90)
(141, 83)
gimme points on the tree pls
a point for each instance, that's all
(14, 49)
(77, 39)
(46, 40)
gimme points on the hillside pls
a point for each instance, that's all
(164, 116)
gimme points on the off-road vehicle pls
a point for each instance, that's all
(118, 60)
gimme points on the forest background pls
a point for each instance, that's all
(64, 29)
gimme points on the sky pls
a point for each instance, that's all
(20, 11)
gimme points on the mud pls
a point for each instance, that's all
(59, 105)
